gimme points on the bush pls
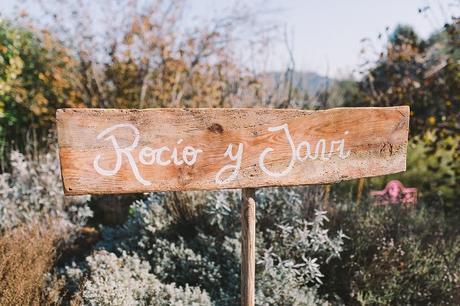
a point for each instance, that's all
(36, 221)
(200, 248)
(398, 256)
(27, 257)
(126, 280)
(33, 192)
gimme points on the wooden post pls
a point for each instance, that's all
(360, 190)
(248, 246)
(327, 193)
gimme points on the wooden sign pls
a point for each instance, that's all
(126, 151)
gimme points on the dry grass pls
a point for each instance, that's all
(27, 255)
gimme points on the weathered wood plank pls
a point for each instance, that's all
(127, 151)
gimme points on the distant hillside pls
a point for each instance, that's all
(311, 82)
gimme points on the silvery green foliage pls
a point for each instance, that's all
(283, 282)
(295, 248)
(204, 250)
(33, 190)
(201, 259)
(291, 266)
(126, 280)
(220, 208)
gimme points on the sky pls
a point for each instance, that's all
(325, 35)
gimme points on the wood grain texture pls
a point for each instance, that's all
(374, 143)
(248, 247)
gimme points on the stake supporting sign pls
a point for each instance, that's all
(248, 246)
(112, 151)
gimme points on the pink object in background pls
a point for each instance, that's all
(395, 193)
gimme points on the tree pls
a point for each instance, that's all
(424, 74)
(36, 76)
(141, 55)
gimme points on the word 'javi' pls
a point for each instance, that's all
(171, 156)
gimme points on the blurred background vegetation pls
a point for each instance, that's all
(316, 245)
